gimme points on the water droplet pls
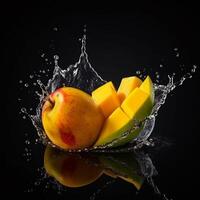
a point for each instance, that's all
(27, 142)
(161, 66)
(193, 68)
(20, 81)
(55, 28)
(42, 55)
(26, 84)
(24, 110)
(138, 72)
(56, 57)
(85, 28)
(141, 76)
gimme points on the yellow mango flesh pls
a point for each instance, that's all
(127, 85)
(137, 105)
(114, 127)
(106, 98)
(147, 86)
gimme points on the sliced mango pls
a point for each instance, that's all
(114, 126)
(106, 98)
(127, 85)
(137, 105)
(147, 86)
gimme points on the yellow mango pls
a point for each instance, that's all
(137, 105)
(127, 85)
(147, 86)
(106, 98)
(66, 118)
(114, 127)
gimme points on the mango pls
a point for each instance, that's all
(114, 126)
(147, 86)
(70, 170)
(127, 85)
(71, 119)
(136, 107)
(106, 98)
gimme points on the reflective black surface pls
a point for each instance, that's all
(119, 43)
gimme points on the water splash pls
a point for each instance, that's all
(81, 75)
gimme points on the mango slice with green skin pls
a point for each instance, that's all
(106, 98)
(114, 127)
(136, 107)
(124, 166)
(127, 85)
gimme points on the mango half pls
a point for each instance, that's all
(136, 107)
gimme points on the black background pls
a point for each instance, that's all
(119, 42)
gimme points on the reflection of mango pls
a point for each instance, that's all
(70, 170)
(77, 170)
(137, 106)
(71, 119)
(124, 166)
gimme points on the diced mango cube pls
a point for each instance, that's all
(127, 85)
(106, 98)
(137, 105)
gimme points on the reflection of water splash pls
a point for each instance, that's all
(156, 189)
(81, 75)
(100, 190)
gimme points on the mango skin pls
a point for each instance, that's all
(71, 119)
(70, 170)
